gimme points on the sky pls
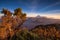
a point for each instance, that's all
(47, 8)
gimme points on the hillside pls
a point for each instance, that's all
(35, 21)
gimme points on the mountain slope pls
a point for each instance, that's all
(31, 22)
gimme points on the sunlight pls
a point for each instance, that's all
(54, 16)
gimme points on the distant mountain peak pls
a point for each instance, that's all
(39, 20)
(38, 16)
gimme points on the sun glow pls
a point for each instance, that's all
(54, 16)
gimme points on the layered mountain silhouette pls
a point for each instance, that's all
(31, 22)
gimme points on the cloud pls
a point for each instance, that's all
(48, 15)
(53, 11)
(51, 5)
(33, 5)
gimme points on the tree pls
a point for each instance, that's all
(23, 16)
(25, 35)
(6, 12)
(18, 12)
(12, 23)
(19, 16)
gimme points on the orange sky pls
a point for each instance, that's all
(55, 16)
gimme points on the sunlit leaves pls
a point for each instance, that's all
(11, 23)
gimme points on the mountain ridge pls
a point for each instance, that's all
(31, 22)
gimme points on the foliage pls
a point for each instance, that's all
(25, 35)
(10, 28)
(11, 23)
(47, 32)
